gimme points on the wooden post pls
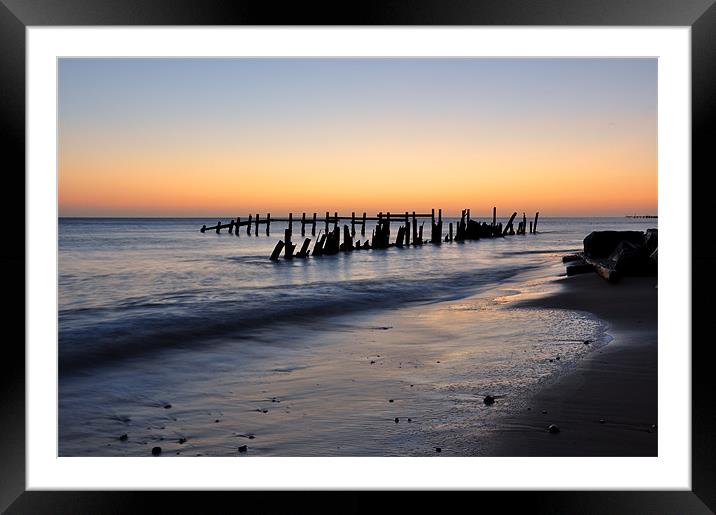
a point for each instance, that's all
(277, 251)
(509, 224)
(468, 215)
(257, 224)
(304, 248)
(313, 228)
(231, 227)
(303, 224)
(534, 227)
(238, 225)
(407, 229)
(451, 232)
(353, 223)
(432, 218)
(415, 229)
(524, 223)
(326, 231)
(494, 216)
(203, 228)
(289, 246)
(530, 227)
(347, 240)
(388, 224)
(362, 229)
(248, 227)
(218, 227)
(335, 221)
(290, 222)
(268, 224)
(420, 234)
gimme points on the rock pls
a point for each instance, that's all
(243, 448)
(600, 244)
(167, 406)
(579, 267)
(123, 438)
(372, 362)
(601, 421)
(216, 421)
(587, 342)
(651, 240)
(264, 411)
(397, 420)
(544, 411)
(438, 449)
(390, 400)
(410, 420)
(629, 259)
(251, 437)
(489, 400)
(156, 451)
(571, 257)
(182, 440)
(557, 358)
(553, 429)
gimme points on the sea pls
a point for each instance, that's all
(199, 344)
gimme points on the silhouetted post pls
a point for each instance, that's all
(407, 229)
(248, 227)
(304, 248)
(313, 228)
(388, 225)
(290, 222)
(218, 227)
(347, 240)
(534, 227)
(203, 228)
(335, 221)
(327, 213)
(277, 251)
(468, 215)
(432, 217)
(420, 234)
(508, 227)
(451, 232)
(494, 216)
(362, 229)
(289, 246)
(303, 224)
(530, 227)
(257, 224)
(415, 229)
(268, 224)
(524, 223)
(353, 223)
(231, 227)
(238, 225)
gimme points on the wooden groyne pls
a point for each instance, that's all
(409, 232)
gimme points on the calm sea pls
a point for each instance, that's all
(199, 344)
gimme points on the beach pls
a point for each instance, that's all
(606, 406)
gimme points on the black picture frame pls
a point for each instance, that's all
(16, 15)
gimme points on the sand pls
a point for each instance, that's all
(607, 404)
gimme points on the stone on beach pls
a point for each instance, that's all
(553, 429)
(123, 438)
(489, 400)
(243, 448)
(156, 451)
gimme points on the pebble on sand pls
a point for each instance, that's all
(553, 428)
(123, 438)
(438, 449)
(167, 406)
(410, 420)
(182, 440)
(156, 451)
(243, 448)
(390, 400)
(397, 420)
(587, 342)
(489, 400)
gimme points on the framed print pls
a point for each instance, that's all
(416, 249)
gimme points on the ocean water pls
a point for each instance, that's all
(197, 343)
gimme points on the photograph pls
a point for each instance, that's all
(357, 256)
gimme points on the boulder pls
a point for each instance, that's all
(651, 240)
(601, 244)
(630, 259)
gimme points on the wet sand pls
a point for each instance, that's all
(607, 405)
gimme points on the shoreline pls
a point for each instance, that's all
(607, 404)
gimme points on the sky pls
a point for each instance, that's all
(229, 137)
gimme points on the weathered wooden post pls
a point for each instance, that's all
(450, 232)
(303, 224)
(290, 222)
(415, 229)
(289, 246)
(407, 229)
(362, 229)
(534, 227)
(248, 227)
(277, 251)
(304, 248)
(327, 213)
(524, 223)
(203, 228)
(530, 227)
(347, 240)
(257, 224)
(313, 227)
(353, 223)
(388, 224)
(218, 227)
(468, 215)
(494, 217)
(231, 226)
(508, 227)
(335, 221)
(268, 224)
(420, 234)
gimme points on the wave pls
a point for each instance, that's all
(91, 337)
